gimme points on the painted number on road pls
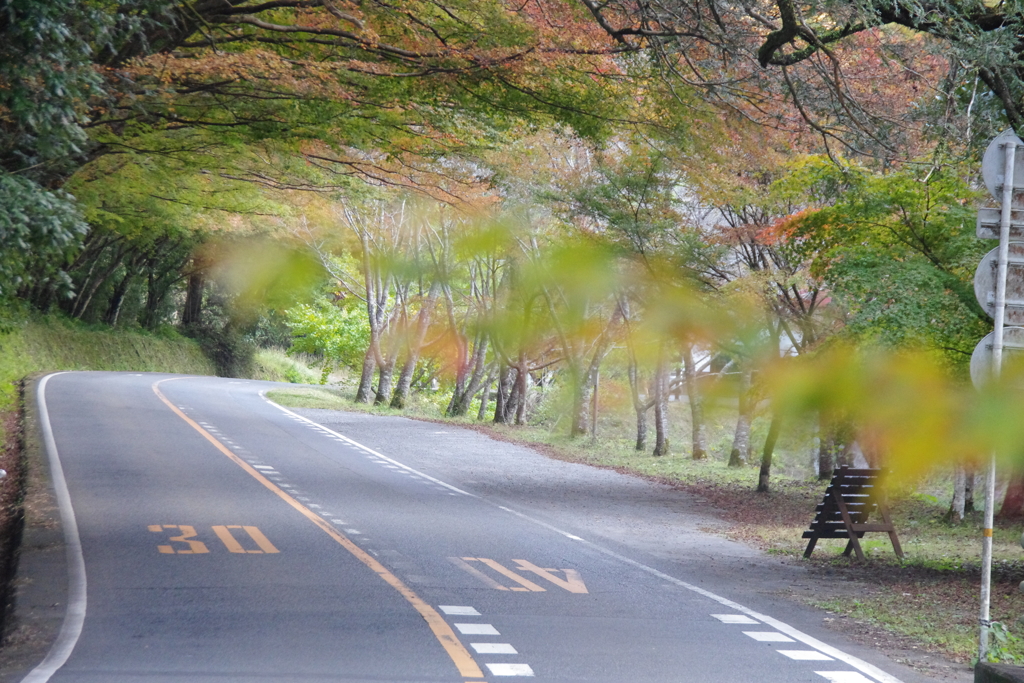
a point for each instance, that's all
(475, 566)
(186, 536)
(234, 543)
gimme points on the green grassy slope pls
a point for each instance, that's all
(45, 344)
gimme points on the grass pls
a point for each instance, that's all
(929, 600)
(275, 365)
(45, 344)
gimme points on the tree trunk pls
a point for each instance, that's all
(514, 396)
(86, 295)
(164, 267)
(587, 383)
(969, 490)
(522, 387)
(366, 378)
(641, 430)
(385, 378)
(465, 390)
(829, 446)
(1013, 501)
(485, 397)
(594, 405)
(117, 297)
(740, 453)
(698, 429)
(154, 297)
(661, 445)
(640, 408)
(401, 395)
(193, 311)
(766, 455)
(956, 506)
(413, 357)
(502, 395)
(581, 404)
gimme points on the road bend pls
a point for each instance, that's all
(224, 538)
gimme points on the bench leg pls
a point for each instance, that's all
(854, 544)
(810, 547)
(896, 544)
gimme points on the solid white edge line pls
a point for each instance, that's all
(855, 662)
(859, 664)
(344, 438)
(74, 617)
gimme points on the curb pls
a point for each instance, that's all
(998, 673)
(40, 585)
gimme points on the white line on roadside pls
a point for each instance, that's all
(74, 617)
(824, 648)
(855, 662)
(358, 445)
(844, 676)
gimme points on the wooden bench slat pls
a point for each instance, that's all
(852, 496)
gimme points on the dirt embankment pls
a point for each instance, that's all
(12, 511)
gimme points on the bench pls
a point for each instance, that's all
(851, 497)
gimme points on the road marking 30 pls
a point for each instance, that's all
(232, 544)
(187, 534)
(458, 653)
(195, 547)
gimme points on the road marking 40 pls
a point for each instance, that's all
(196, 547)
(572, 582)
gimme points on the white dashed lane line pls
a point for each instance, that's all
(796, 655)
(806, 655)
(735, 619)
(785, 633)
(476, 629)
(458, 611)
(769, 637)
(494, 648)
(510, 669)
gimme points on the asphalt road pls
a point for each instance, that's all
(224, 538)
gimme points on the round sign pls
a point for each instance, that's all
(985, 283)
(981, 359)
(993, 164)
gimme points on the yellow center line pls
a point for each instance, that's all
(464, 662)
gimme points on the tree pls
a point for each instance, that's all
(848, 71)
(354, 88)
(897, 250)
(45, 80)
(337, 334)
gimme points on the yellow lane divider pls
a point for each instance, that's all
(464, 662)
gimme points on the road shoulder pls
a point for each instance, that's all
(41, 583)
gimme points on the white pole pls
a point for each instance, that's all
(1010, 149)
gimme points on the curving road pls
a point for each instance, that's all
(226, 539)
